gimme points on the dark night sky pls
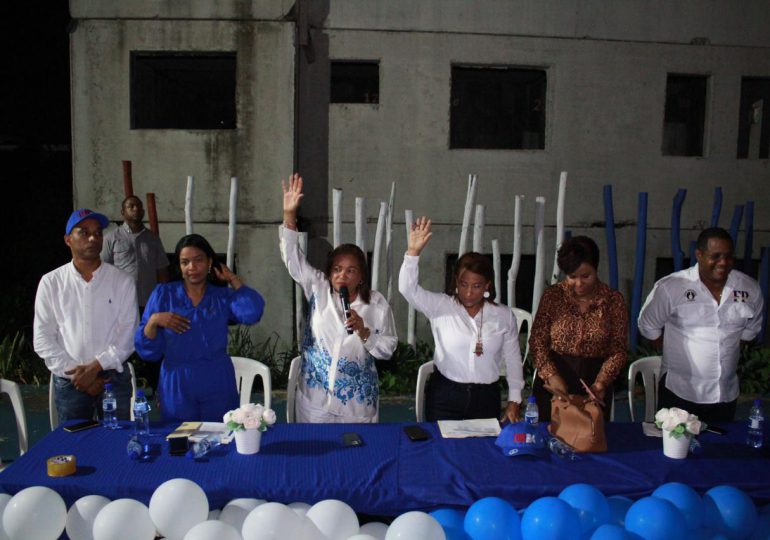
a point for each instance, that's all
(35, 156)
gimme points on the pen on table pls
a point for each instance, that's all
(590, 393)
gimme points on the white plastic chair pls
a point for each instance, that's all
(246, 369)
(12, 389)
(291, 388)
(53, 414)
(423, 374)
(649, 367)
(523, 315)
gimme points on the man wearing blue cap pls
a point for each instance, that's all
(85, 318)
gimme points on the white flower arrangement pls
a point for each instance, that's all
(249, 416)
(679, 422)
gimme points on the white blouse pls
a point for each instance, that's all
(338, 371)
(455, 334)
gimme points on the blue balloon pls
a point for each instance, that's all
(589, 503)
(685, 499)
(762, 528)
(619, 506)
(730, 511)
(492, 518)
(708, 534)
(655, 519)
(549, 518)
(609, 531)
(452, 521)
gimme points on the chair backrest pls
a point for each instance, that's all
(12, 389)
(649, 367)
(291, 388)
(245, 371)
(423, 374)
(53, 414)
(522, 316)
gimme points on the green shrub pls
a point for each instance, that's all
(754, 369)
(19, 363)
(279, 362)
(398, 376)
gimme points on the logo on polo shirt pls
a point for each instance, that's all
(689, 294)
(740, 296)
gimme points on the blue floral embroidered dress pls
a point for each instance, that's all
(338, 372)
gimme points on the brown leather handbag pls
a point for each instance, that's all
(578, 421)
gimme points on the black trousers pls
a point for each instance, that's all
(446, 399)
(572, 369)
(711, 413)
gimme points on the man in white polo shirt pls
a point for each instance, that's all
(701, 315)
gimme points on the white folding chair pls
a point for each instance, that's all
(246, 369)
(12, 389)
(291, 388)
(649, 367)
(53, 414)
(423, 374)
(522, 316)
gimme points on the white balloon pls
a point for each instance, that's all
(81, 516)
(309, 531)
(124, 519)
(415, 526)
(271, 521)
(234, 513)
(214, 514)
(299, 508)
(213, 530)
(176, 506)
(362, 537)
(335, 519)
(376, 529)
(4, 498)
(35, 512)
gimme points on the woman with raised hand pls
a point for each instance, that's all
(185, 325)
(349, 327)
(580, 330)
(474, 337)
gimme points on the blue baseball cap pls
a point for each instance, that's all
(82, 214)
(519, 439)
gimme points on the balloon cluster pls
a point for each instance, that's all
(179, 510)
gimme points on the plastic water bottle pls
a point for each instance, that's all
(561, 449)
(135, 448)
(204, 446)
(531, 413)
(755, 436)
(141, 414)
(109, 408)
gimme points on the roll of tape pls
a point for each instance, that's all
(63, 465)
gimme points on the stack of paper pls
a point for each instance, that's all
(460, 429)
(195, 431)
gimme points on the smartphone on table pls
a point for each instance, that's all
(80, 426)
(416, 433)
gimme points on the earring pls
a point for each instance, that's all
(209, 269)
(456, 291)
(486, 294)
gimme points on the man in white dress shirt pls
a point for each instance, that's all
(85, 318)
(701, 315)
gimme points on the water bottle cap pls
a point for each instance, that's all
(140, 393)
(108, 386)
(531, 399)
(757, 402)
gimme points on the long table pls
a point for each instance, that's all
(390, 474)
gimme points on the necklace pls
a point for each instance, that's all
(479, 350)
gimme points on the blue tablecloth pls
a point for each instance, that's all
(390, 474)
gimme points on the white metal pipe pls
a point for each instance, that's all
(389, 243)
(232, 222)
(361, 223)
(478, 229)
(513, 271)
(470, 201)
(411, 318)
(378, 237)
(336, 217)
(559, 225)
(539, 284)
(188, 202)
(496, 266)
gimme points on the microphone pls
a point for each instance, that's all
(345, 297)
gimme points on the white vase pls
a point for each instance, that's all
(248, 441)
(676, 447)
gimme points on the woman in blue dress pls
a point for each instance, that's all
(185, 325)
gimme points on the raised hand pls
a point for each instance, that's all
(292, 193)
(223, 273)
(419, 235)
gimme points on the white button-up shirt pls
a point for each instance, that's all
(701, 342)
(77, 321)
(455, 334)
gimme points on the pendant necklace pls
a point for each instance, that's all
(479, 350)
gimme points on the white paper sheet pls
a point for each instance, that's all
(459, 429)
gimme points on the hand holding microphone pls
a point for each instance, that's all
(345, 297)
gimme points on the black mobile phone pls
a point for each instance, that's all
(177, 446)
(716, 429)
(352, 439)
(80, 426)
(416, 433)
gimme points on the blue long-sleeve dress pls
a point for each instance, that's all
(197, 379)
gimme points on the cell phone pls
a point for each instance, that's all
(416, 433)
(715, 429)
(80, 426)
(177, 446)
(352, 439)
